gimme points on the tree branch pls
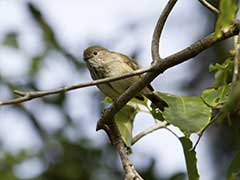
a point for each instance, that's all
(114, 136)
(158, 30)
(26, 96)
(209, 6)
(236, 59)
(149, 130)
(106, 121)
(160, 67)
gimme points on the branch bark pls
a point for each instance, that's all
(160, 67)
(158, 125)
(109, 124)
(27, 96)
(106, 121)
(158, 30)
(236, 60)
(114, 136)
(209, 6)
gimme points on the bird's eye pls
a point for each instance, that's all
(95, 53)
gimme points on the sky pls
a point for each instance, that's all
(77, 22)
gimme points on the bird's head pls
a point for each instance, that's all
(93, 51)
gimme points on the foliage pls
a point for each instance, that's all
(190, 157)
(228, 10)
(77, 158)
(188, 113)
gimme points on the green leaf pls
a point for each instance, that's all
(224, 72)
(190, 159)
(107, 100)
(11, 40)
(234, 168)
(216, 96)
(188, 113)
(139, 102)
(228, 10)
(156, 112)
(124, 120)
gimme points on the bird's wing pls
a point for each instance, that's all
(132, 63)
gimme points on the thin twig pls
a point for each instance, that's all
(112, 130)
(149, 130)
(172, 132)
(209, 6)
(158, 30)
(26, 96)
(114, 135)
(202, 132)
(236, 60)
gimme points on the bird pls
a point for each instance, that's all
(103, 63)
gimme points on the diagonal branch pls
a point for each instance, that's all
(236, 60)
(26, 96)
(114, 136)
(160, 67)
(209, 6)
(158, 30)
(158, 125)
(106, 121)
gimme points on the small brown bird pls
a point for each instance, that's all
(103, 63)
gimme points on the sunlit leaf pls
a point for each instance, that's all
(228, 10)
(107, 100)
(188, 113)
(216, 96)
(234, 168)
(124, 120)
(190, 159)
(137, 101)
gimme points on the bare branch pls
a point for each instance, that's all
(236, 60)
(130, 171)
(209, 6)
(149, 130)
(158, 30)
(107, 119)
(26, 96)
(160, 67)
